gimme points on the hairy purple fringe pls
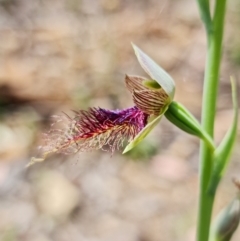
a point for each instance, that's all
(93, 129)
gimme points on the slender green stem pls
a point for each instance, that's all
(205, 15)
(211, 80)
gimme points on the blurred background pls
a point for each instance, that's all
(63, 55)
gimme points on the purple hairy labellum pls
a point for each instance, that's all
(93, 129)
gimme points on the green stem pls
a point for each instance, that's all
(205, 15)
(211, 80)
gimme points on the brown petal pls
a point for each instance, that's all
(150, 101)
(134, 83)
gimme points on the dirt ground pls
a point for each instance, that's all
(64, 55)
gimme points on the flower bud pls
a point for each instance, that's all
(227, 222)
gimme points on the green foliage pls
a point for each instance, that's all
(223, 152)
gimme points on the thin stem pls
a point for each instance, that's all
(205, 15)
(211, 80)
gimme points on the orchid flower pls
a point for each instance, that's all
(98, 128)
